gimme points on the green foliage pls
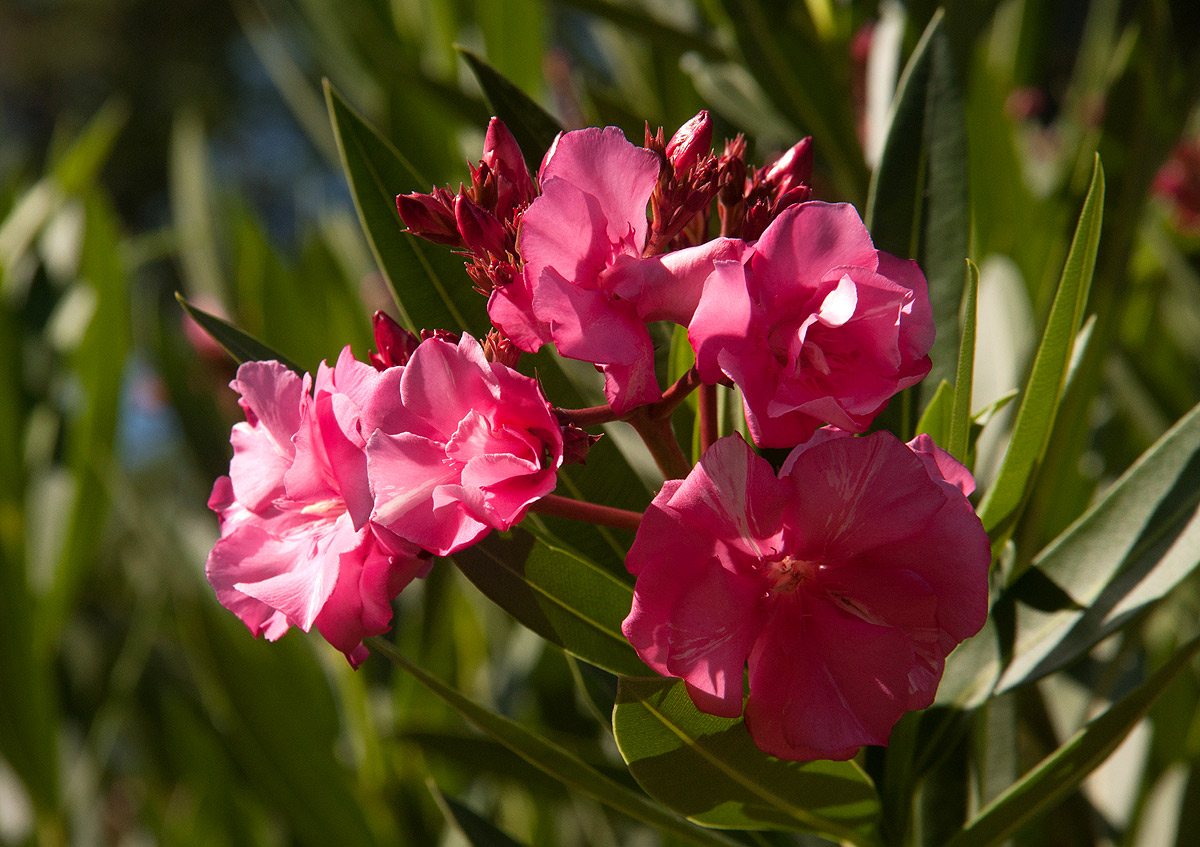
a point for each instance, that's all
(130, 696)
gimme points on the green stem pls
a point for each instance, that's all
(578, 510)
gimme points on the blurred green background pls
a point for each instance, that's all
(148, 148)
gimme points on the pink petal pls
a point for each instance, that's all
(803, 243)
(272, 398)
(725, 318)
(510, 308)
(668, 287)
(941, 465)
(618, 174)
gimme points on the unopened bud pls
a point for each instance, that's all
(793, 169)
(395, 343)
(690, 142)
(497, 348)
(480, 231)
(502, 155)
(427, 216)
(576, 443)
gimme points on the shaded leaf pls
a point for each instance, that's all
(477, 831)
(530, 124)
(428, 282)
(935, 420)
(239, 345)
(560, 595)
(730, 782)
(959, 441)
(553, 759)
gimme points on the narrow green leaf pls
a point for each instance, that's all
(554, 760)
(917, 205)
(239, 345)
(1136, 544)
(1062, 771)
(936, 419)
(1035, 418)
(656, 30)
(428, 282)
(730, 782)
(959, 442)
(478, 831)
(812, 92)
(560, 595)
(530, 124)
(79, 165)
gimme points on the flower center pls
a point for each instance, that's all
(787, 574)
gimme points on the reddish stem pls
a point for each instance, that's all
(591, 416)
(708, 416)
(578, 510)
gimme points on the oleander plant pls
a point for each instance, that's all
(784, 432)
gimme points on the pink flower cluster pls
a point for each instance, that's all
(841, 582)
(337, 499)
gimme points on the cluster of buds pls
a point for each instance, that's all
(749, 198)
(686, 186)
(481, 220)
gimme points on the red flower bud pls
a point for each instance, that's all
(428, 216)
(690, 142)
(792, 169)
(395, 343)
(480, 231)
(502, 155)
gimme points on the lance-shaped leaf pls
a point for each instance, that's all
(1131, 548)
(428, 282)
(560, 595)
(1039, 402)
(530, 124)
(729, 781)
(959, 443)
(478, 831)
(1062, 771)
(935, 420)
(553, 759)
(917, 206)
(239, 345)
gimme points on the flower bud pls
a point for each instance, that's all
(502, 155)
(480, 231)
(793, 169)
(690, 142)
(428, 216)
(394, 343)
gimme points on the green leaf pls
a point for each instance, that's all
(917, 205)
(959, 442)
(730, 782)
(530, 124)
(428, 282)
(477, 831)
(1062, 771)
(1136, 544)
(560, 595)
(1006, 497)
(935, 420)
(791, 63)
(239, 345)
(553, 759)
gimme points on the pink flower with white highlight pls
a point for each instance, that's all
(814, 326)
(843, 582)
(585, 285)
(466, 448)
(296, 547)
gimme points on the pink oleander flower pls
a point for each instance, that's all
(585, 285)
(296, 546)
(464, 447)
(843, 582)
(815, 325)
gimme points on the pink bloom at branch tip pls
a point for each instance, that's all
(842, 583)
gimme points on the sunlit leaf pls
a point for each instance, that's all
(1062, 771)
(1136, 544)
(959, 442)
(730, 782)
(1039, 403)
